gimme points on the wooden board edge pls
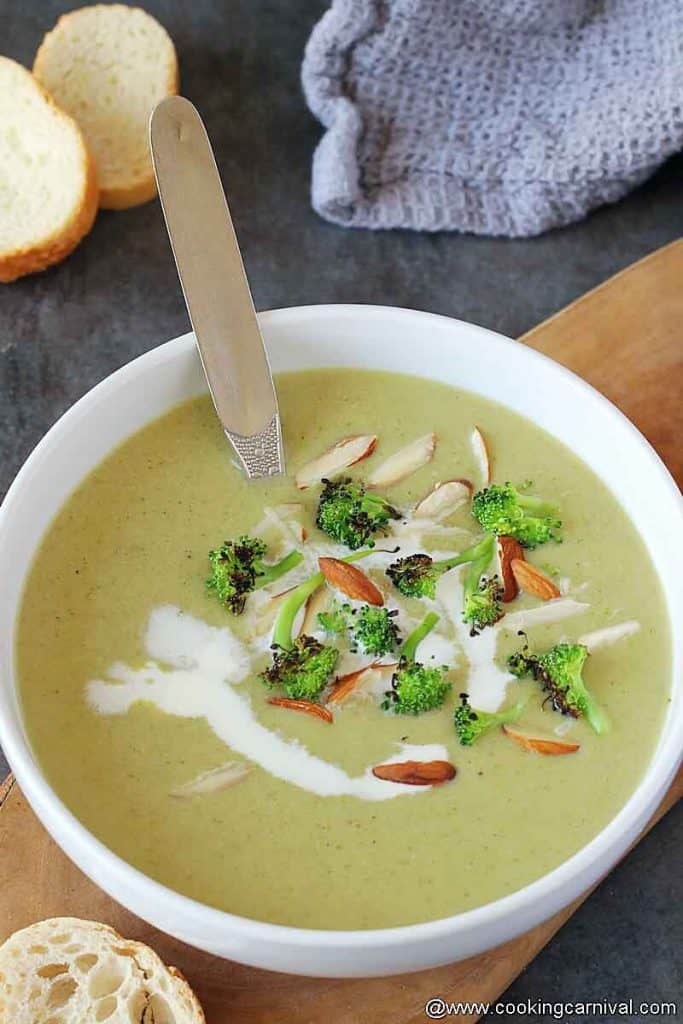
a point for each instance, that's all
(529, 337)
(6, 787)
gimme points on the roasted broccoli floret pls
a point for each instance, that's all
(302, 666)
(417, 575)
(371, 629)
(350, 515)
(559, 671)
(337, 620)
(375, 630)
(482, 595)
(470, 723)
(415, 687)
(505, 510)
(237, 568)
(303, 669)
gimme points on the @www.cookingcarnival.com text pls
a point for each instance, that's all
(438, 1008)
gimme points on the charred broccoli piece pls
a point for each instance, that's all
(375, 631)
(372, 629)
(505, 510)
(415, 687)
(417, 575)
(237, 568)
(559, 671)
(303, 669)
(350, 515)
(470, 723)
(302, 666)
(483, 595)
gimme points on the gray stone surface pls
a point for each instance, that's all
(117, 296)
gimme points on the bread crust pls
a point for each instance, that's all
(147, 961)
(63, 240)
(131, 192)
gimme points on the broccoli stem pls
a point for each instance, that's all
(481, 552)
(481, 558)
(412, 642)
(595, 716)
(273, 572)
(284, 624)
(543, 508)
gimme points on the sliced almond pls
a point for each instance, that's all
(415, 773)
(481, 454)
(533, 581)
(281, 525)
(609, 635)
(340, 456)
(544, 614)
(404, 462)
(351, 682)
(509, 550)
(307, 706)
(213, 781)
(263, 616)
(316, 603)
(539, 744)
(444, 499)
(350, 580)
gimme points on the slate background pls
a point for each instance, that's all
(117, 296)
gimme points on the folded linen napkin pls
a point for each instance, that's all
(499, 117)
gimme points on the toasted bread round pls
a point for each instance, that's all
(48, 185)
(108, 66)
(68, 971)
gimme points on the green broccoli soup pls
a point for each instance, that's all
(410, 678)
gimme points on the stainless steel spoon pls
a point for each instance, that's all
(215, 286)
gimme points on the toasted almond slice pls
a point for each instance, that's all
(415, 773)
(307, 706)
(346, 685)
(545, 614)
(316, 603)
(340, 456)
(609, 635)
(350, 580)
(481, 454)
(264, 615)
(509, 549)
(533, 581)
(444, 499)
(539, 744)
(404, 462)
(212, 781)
(290, 514)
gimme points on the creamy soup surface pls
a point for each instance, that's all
(135, 680)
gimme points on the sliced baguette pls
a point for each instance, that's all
(48, 187)
(68, 971)
(108, 66)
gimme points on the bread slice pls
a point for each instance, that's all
(48, 186)
(108, 66)
(68, 971)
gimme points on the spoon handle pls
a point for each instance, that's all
(215, 286)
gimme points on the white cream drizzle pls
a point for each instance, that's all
(205, 664)
(195, 667)
(486, 681)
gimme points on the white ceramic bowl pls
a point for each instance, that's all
(366, 336)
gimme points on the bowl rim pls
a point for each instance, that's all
(631, 816)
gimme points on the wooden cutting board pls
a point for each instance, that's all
(625, 337)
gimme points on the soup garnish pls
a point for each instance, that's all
(144, 696)
(470, 723)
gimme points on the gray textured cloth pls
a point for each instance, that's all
(499, 117)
